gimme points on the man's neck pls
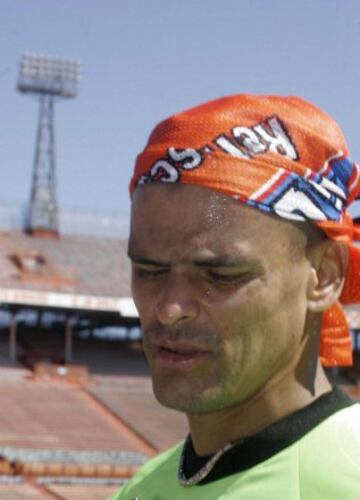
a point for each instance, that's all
(277, 399)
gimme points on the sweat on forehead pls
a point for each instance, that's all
(198, 214)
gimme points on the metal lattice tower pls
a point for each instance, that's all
(48, 79)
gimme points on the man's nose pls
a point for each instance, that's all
(177, 300)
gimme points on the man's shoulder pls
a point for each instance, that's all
(340, 432)
(160, 468)
(346, 420)
(330, 453)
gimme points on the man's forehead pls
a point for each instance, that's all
(178, 203)
(197, 200)
(183, 213)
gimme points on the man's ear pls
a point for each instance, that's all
(327, 275)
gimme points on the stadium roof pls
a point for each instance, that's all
(70, 272)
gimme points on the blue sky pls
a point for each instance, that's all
(145, 59)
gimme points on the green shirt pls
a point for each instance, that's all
(313, 454)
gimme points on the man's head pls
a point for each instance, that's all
(229, 277)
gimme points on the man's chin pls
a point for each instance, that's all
(184, 398)
(173, 397)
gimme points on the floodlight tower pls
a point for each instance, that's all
(48, 79)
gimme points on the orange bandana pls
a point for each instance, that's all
(281, 155)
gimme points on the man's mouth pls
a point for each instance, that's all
(177, 355)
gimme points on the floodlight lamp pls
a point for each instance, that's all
(44, 75)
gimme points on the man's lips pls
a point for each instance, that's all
(177, 353)
(178, 345)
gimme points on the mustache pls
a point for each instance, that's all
(190, 333)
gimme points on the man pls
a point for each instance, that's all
(241, 249)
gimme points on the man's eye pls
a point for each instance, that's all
(228, 278)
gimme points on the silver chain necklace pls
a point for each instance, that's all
(205, 469)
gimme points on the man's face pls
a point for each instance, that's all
(220, 294)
